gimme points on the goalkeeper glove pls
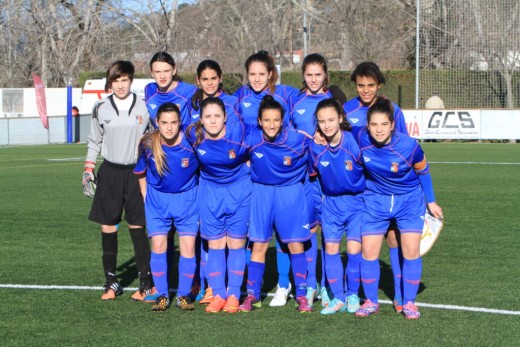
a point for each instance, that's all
(89, 180)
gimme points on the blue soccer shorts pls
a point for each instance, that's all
(166, 209)
(406, 209)
(281, 207)
(224, 209)
(340, 215)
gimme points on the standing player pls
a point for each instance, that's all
(117, 124)
(168, 87)
(279, 162)
(224, 200)
(368, 79)
(262, 76)
(167, 170)
(398, 181)
(340, 171)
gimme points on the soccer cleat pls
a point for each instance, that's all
(303, 305)
(200, 295)
(161, 303)
(325, 296)
(111, 291)
(232, 304)
(152, 296)
(334, 306)
(411, 311)
(398, 305)
(142, 293)
(367, 309)
(311, 294)
(352, 303)
(280, 296)
(249, 302)
(216, 305)
(184, 303)
(208, 297)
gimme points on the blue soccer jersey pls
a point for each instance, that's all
(357, 114)
(224, 160)
(180, 95)
(180, 169)
(303, 107)
(339, 168)
(230, 102)
(395, 167)
(282, 162)
(249, 102)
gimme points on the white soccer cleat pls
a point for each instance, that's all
(280, 296)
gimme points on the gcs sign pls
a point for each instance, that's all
(451, 120)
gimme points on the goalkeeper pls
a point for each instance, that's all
(118, 123)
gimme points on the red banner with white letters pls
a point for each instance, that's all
(40, 100)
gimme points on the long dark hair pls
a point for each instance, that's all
(334, 104)
(199, 128)
(199, 94)
(318, 59)
(269, 103)
(165, 57)
(265, 58)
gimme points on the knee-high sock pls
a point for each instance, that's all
(353, 273)
(142, 255)
(236, 264)
(283, 265)
(334, 269)
(187, 268)
(159, 267)
(312, 257)
(216, 271)
(396, 261)
(299, 270)
(412, 270)
(370, 273)
(255, 275)
(109, 255)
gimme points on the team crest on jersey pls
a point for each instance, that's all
(258, 155)
(139, 119)
(287, 161)
(301, 111)
(395, 167)
(232, 154)
(348, 165)
(246, 104)
(201, 151)
(185, 162)
(324, 163)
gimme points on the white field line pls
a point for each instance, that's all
(471, 163)
(420, 304)
(67, 159)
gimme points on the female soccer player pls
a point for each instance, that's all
(279, 164)
(398, 181)
(368, 79)
(168, 87)
(262, 76)
(167, 170)
(224, 200)
(117, 124)
(209, 81)
(340, 171)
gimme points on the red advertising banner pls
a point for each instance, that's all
(40, 100)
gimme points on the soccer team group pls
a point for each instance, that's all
(228, 173)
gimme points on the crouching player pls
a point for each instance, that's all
(168, 180)
(398, 181)
(340, 172)
(279, 162)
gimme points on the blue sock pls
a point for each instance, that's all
(370, 273)
(255, 274)
(334, 269)
(216, 271)
(312, 257)
(248, 252)
(412, 270)
(396, 263)
(187, 268)
(283, 265)
(353, 273)
(159, 268)
(299, 270)
(236, 264)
